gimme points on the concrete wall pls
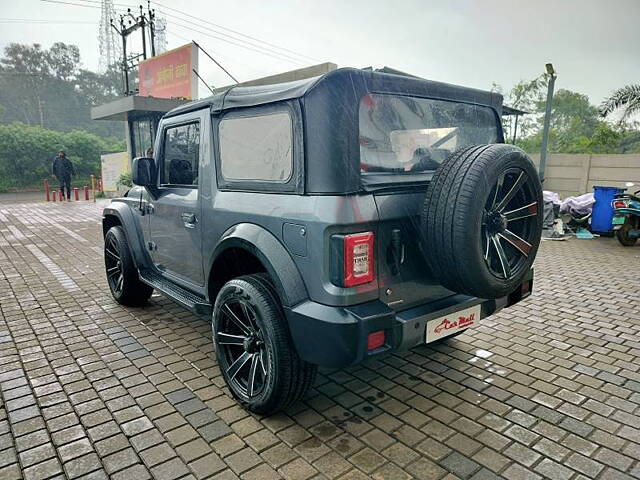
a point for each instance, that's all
(575, 174)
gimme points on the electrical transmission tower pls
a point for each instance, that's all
(160, 31)
(110, 48)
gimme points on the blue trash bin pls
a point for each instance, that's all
(602, 213)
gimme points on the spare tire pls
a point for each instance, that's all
(482, 220)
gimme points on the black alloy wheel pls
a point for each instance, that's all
(255, 353)
(482, 220)
(113, 265)
(122, 274)
(242, 348)
(509, 222)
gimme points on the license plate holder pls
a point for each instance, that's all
(454, 322)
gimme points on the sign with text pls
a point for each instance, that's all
(170, 74)
(113, 165)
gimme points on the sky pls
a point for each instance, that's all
(594, 45)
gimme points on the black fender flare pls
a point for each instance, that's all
(274, 257)
(132, 230)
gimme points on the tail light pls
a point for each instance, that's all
(375, 340)
(353, 259)
(619, 204)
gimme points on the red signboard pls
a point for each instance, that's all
(170, 75)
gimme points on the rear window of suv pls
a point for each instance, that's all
(404, 135)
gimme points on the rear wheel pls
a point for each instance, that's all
(122, 275)
(623, 234)
(254, 348)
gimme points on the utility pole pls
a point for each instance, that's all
(152, 28)
(141, 21)
(124, 31)
(547, 119)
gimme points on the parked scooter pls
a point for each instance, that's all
(626, 217)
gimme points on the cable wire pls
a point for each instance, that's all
(273, 45)
(207, 34)
(225, 36)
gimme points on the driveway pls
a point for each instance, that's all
(547, 389)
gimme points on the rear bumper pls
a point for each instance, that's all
(336, 337)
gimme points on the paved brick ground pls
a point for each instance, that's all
(549, 388)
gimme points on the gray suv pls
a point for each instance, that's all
(326, 221)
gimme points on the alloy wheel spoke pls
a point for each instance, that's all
(486, 252)
(502, 256)
(251, 381)
(235, 367)
(521, 245)
(111, 254)
(229, 339)
(246, 312)
(520, 181)
(120, 282)
(498, 188)
(262, 363)
(114, 275)
(530, 210)
(239, 323)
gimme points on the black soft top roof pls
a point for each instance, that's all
(340, 79)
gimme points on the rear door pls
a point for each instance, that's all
(403, 273)
(175, 224)
(403, 141)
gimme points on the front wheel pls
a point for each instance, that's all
(254, 348)
(623, 234)
(122, 275)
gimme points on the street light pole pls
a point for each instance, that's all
(547, 119)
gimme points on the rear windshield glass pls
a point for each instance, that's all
(401, 134)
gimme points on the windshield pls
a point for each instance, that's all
(401, 134)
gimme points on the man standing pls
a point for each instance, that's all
(62, 168)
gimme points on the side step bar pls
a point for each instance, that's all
(184, 297)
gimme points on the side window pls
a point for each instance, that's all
(181, 155)
(257, 148)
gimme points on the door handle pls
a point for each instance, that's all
(189, 219)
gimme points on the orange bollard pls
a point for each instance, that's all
(46, 189)
(55, 196)
(86, 192)
(76, 195)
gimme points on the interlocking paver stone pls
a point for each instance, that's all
(548, 388)
(82, 465)
(42, 470)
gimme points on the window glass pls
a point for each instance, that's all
(400, 134)
(257, 148)
(143, 137)
(181, 155)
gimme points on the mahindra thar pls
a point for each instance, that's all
(326, 221)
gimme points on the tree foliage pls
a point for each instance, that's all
(626, 98)
(26, 153)
(50, 89)
(576, 126)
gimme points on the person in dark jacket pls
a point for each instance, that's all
(62, 169)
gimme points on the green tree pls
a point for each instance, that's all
(48, 88)
(626, 98)
(26, 153)
(576, 126)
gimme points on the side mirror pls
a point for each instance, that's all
(143, 172)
